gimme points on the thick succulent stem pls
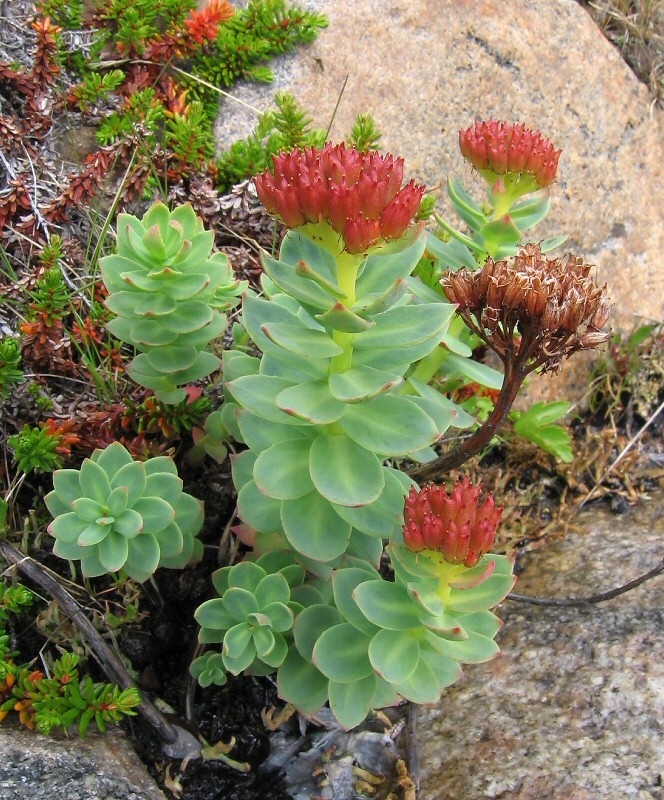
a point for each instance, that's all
(514, 377)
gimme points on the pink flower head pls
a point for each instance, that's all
(501, 148)
(455, 525)
(358, 194)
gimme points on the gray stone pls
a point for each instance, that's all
(425, 70)
(99, 767)
(574, 708)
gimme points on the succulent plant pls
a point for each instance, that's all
(119, 514)
(250, 617)
(168, 291)
(35, 449)
(381, 640)
(10, 358)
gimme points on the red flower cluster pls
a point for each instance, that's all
(358, 194)
(502, 148)
(203, 25)
(454, 525)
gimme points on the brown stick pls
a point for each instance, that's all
(109, 661)
(595, 598)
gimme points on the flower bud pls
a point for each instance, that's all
(502, 148)
(454, 524)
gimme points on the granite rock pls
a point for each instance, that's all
(574, 708)
(424, 70)
(99, 767)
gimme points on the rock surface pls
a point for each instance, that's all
(574, 708)
(35, 767)
(424, 70)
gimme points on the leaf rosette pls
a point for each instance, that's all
(384, 640)
(251, 619)
(116, 514)
(169, 291)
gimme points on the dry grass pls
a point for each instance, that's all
(637, 28)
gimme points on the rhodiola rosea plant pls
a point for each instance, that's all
(332, 398)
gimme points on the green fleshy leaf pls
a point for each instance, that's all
(275, 657)
(117, 501)
(445, 670)
(405, 326)
(189, 514)
(91, 566)
(280, 616)
(71, 551)
(272, 589)
(361, 383)
(529, 212)
(351, 701)
(302, 288)
(259, 434)
(94, 481)
(381, 517)
(237, 664)
(164, 485)
(487, 594)
(301, 684)
(341, 654)
(93, 534)
(132, 477)
(389, 425)
(246, 575)
(296, 247)
(282, 471)
(481, 373)
(258, 510)
(394, 655)
(474, 650)
(113, 551)
(385, 695)
(143, 558)
(312, 402)
(313, 528)
(340, 318)
(344, 583)
(421, 686)
(67, 527)
(257, 394)
(380, 271)
(159, 464)
(156, 513)
(213, 614)
(483, 622)
(52, 501)
(112, 459)
(424, 594)
(311, 624)
(387, 605)
(239, 603)
(301, 340)
(236, 639)
(87, 509)
(170, 541)
(263, 641)
(172, 358)
(188, 317)
(344, 472)
(66, 486)
(367, 549)
(242, 468)
(453, 255)
(464, 205)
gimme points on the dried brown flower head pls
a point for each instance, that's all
(533, 310)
